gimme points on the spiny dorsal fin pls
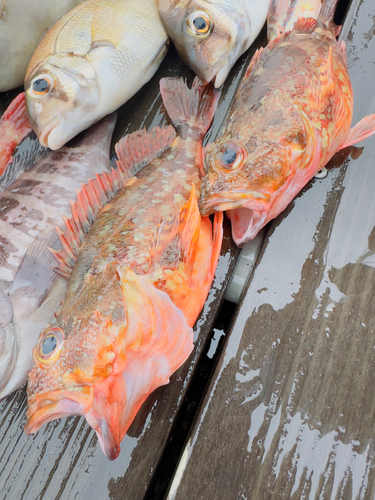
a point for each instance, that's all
(305, 25)
(134, 151)
(255, 59)
(137, 150)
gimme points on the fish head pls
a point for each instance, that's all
(66, 369)
(209, 36)
(248, 180)
(61, 96)
(105, 367)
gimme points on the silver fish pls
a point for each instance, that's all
(89, 63)
(210, 35)
(30, 209)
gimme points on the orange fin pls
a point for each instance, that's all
(254, 60)
(134, 151)
(14, 126)
(155, 342)
(17, 113)
(305, 25)
(181, 228)
(365, 128)
(194, 107)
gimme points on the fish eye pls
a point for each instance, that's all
(230, 156)
(49, 346)
(200, 24)
(280, 31)
(41, 86)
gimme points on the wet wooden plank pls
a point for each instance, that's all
(64, 459)
(290, 410)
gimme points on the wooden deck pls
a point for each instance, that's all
(289, 411)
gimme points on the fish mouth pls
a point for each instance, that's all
(45, 135)
(230, 200)
(246, 224)
(45, 408)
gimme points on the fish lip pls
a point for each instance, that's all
(45, 409)
(229, 200)
(45, 133)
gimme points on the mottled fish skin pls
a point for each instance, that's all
(89, 63)
(282, 15)
(17, 42)
(228, 30)
(144, 270)
(290, 115)
(30, 209)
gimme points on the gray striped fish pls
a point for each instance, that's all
(30, 209)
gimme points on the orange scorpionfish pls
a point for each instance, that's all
(136, 282)
(291, 114)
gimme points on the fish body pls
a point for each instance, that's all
(210, 35)
(91, 61)
(30, 209)
(292, 112)
(282, 14)
(139, 280)
(17, 44)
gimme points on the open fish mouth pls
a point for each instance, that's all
(54, 406)
(229, 200)
(246, 224)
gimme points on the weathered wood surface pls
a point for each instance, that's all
(64, 459)
(290, 410)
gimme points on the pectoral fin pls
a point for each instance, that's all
(365, 128)
(182, 230)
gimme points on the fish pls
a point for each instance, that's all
(283, 14)
(90, 62)
(291, 113)
(30, 209)
(14, 126)
(136, 281)
(22, 24)
(210, 35)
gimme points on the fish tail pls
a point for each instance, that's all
(192, 108)
(327, 11)
(16, 113)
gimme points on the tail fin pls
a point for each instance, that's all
(189, 108)
(327, 12)
(14, 126)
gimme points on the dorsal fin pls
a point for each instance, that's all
(305, 25)
(183, 225)
(134, 151)
(137, 150)
(255, 59)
